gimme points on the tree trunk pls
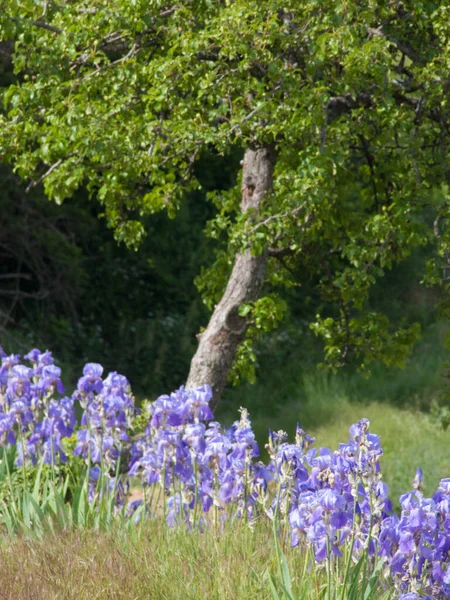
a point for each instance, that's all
(226, 329)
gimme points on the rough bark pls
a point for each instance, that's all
(226, 329)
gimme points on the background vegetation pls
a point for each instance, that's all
(145, 312)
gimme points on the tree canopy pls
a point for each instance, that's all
(351, 98)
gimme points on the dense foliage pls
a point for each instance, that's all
(145, 312)
(190, 467)
(353, 97)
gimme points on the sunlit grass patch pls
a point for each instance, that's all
(154, 562)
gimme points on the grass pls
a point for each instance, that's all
(396, 402)
(153, 562)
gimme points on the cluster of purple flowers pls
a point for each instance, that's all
(416, 545)
(327, 499)
(30, 415)
(108, 412)
(328, 496)
(333, 498)
(197, 465)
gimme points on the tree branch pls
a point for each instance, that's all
(264, 222)
(40, 24)
(280, 252)
(34, 183)
(404, 48)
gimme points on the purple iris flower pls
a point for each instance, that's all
(302, 439)
(92, 379)
(244, 436)
(231, 485)
(417, 483)
(339, 519)
(358, 430)
(6, 430)
(64, 414)
(53, 450)
(21, 412)
(51, 376)
(166, 410)
(291, 458)
(87, 443)
(45, 359)
(217, 448)
(170, 446)
(406, 543)
(196, 406)
(19, 383)
(329, 500)
(318, 536)
(33, 355)
(409, 501)
(262, 476)
(149, 466)
(10, 361)
(3, 377)
(176, 510)
(114, 409)
(116, 385)
(194, 435)
(443, 489)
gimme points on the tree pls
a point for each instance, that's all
(341, 113)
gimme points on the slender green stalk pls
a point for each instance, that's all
(305, 564)
(158, 498)
(100, 481)
(275, 533)
(163, 489)
(22, 444)
(116, 478)
(349, 557)
(8, 471)
(366, 554)
(328, 568)
(215, 504)
(196, 494)
(245, 489)
(53, 462)
(152, 495)
(175, 508)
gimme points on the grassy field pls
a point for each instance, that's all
(153, 562)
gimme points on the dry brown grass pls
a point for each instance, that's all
(152, 562)
(78, 566)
